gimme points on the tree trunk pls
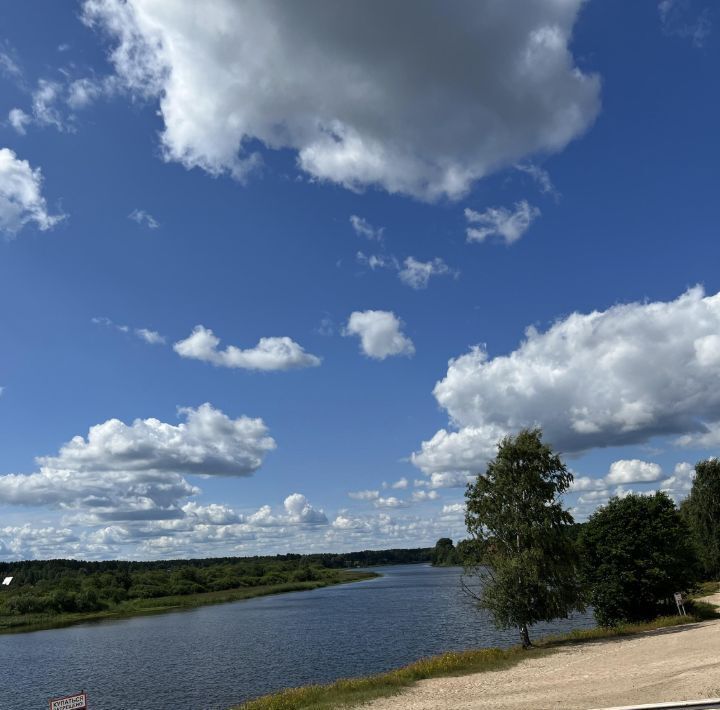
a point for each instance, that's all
(525, 636)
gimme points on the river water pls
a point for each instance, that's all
(215, 656)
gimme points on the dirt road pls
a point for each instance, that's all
(681, 663)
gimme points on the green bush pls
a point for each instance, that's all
(636, 552)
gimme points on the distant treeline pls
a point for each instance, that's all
(66, 586)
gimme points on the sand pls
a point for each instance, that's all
(680, 663)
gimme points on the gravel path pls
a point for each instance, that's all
(681, 663)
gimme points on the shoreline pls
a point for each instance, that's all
(171, 604)
(674, 664)
(456, 676)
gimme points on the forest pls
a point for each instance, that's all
(57, 587)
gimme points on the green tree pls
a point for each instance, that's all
(527, 571)
(636, 552)
(702, 512)
(443, 554)
(468, 552)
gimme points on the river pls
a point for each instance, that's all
(212, 657)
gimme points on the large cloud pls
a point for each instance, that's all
(269, 354)
(421, 101)
(21, 199)
(135, 472)
(613, 377)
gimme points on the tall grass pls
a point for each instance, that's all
(353, 691)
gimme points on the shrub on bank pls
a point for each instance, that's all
(636, 552)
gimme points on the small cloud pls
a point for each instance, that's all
(44, 105)
(18, 119)
(420, 496)
(82, 92)
(380, 334)
(326, 327)
(364, 495)
(269, 354)
(509, 225)
(585, 483)
(390, 502)
(21, 200)
(150, 336)
(364, 229)
(144, 218)
(416, 274)
(541, 178)
(677, 20)
(448, 479)
(377, 261)
(9, 66)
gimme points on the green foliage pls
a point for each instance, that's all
(65, 588)
(444, 553)
(469, 552)
(702, 511)
(636, 552)
(529, 566)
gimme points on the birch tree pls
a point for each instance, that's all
(528, 571)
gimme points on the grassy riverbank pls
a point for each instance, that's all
(355, 691)
(158, 605)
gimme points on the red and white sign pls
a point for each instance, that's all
(70, 702)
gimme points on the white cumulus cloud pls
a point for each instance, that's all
(299, 510)
(380, 334)
(135, 472)
(422, 102)
(269, 354)
(633, 471)
(586, 381)
(21, 199)
(679, 484)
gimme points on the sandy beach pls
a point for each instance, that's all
(680, 663)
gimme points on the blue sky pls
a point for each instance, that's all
(348, 198)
